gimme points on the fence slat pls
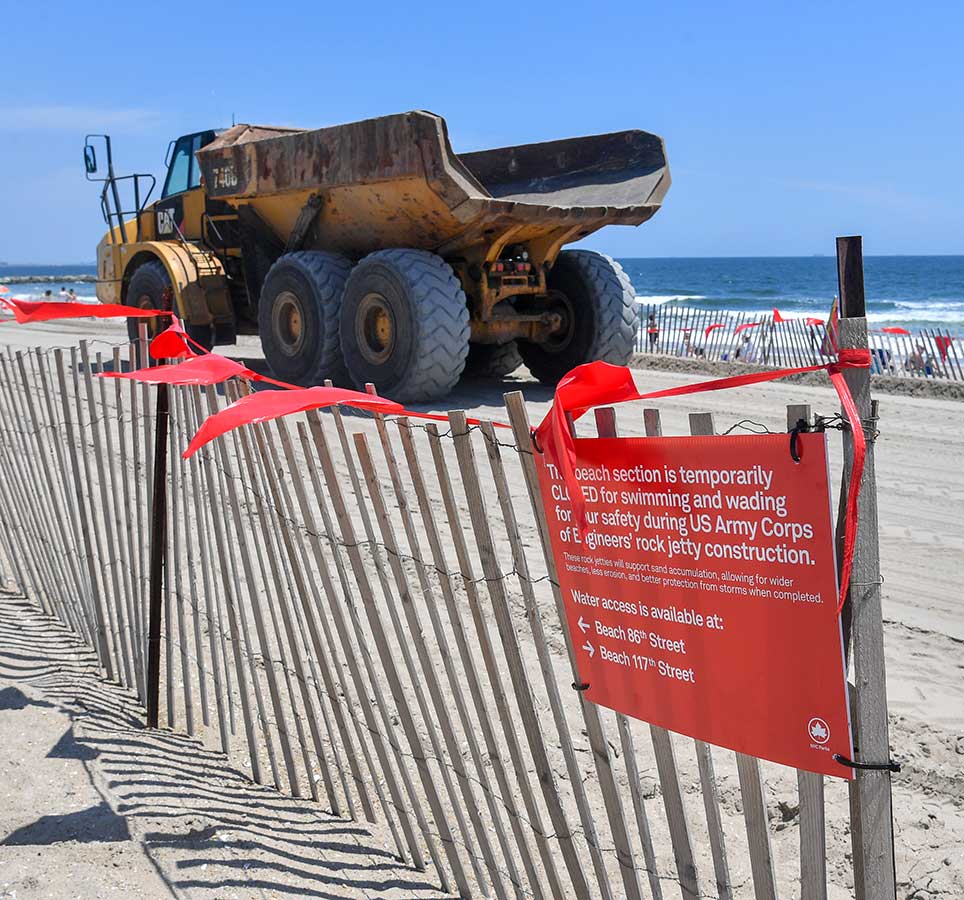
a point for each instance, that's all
(79, 480)
(388, 661)
(121, 526)
(351, 657)
(232, 598)
(520, 427)
(47, 426)
(277, 589)
(179, 597)
(34, 493)
(748, 769)
(101, 510)
(467, 659)
(520, 683)
(204, 583)
(191, 596)
(303, 588)
(431, 605)
(140, 529)
(255, 608)
(386, 656)
(126, 504)
(810, 785)
(23, 505)
(670, 783)
(604, 766)
(54, 508)
(506, 718)
(606, 427)
(425, 672)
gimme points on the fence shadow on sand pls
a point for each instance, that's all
(201, 824)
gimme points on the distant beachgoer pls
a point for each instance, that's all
(881, 360)
(686, 349)
(63, 293)
(746, 352)
(71, 295)
(652, 330)
(919, 361)
(48, 295)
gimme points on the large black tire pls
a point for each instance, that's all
(600, 314)
(405, 325)
(492, 360)
(150, 288)
(298, 317)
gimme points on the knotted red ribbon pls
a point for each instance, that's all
(172, 342)
(599, 384)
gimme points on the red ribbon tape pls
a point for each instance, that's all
(599, 384)
(43, 310)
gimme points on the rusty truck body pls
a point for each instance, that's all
(371, 252)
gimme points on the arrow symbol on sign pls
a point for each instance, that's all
(589, 649)
(582, 625)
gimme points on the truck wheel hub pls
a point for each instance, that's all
(375, 328)
(560, 337)
(288, 323)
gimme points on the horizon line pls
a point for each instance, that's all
(93, 263)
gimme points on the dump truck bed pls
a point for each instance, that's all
(395, 182)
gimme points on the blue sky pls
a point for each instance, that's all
(785, 124)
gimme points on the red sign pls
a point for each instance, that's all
(701, 590)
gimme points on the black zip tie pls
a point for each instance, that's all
(801, 426)
(582, 686)
(535, 441)
(877, 767)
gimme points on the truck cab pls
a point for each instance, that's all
(181, 206)
(176, 253)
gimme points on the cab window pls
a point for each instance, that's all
(197, 142)
(178, 172)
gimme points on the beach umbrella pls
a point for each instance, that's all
(895, 330)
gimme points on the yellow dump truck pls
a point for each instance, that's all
(371, 252)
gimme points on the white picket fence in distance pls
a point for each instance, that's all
(671, 330)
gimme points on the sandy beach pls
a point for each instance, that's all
(921, 503)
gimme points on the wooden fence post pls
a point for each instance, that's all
(873, 830)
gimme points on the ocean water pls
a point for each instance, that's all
(35, 290)
(909, 291)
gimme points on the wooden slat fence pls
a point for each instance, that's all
(364, 611)
(671, 330)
